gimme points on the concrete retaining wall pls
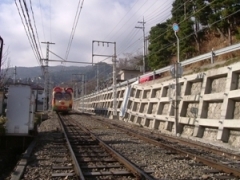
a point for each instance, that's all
(209, 105)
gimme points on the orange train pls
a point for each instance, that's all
(62, 99)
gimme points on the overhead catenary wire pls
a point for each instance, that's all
(40, 5)
(153, 19)
(130, 37)
(212, 24)
(127, 21)
(50, 21)
(27, 31)
(154, 13)
(131, 40)
(170, 28)
(128, 43)
(121, 19)
(75, 23)
(117, 37)
(170, 44)
(31, 28)
(35, 27)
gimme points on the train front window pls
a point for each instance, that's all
(67, 96)
(58, 96)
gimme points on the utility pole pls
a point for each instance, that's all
(114, 59)
(1, 51)
(97, 77)
(46, 78)
(15, 75)
(83, 88)
(114, 83)
(63, 60)
(144, 45)
(50, 94)
(177, 73)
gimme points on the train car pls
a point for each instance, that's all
(62, 99)
(148, 78)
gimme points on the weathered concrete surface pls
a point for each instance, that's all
(209, 105)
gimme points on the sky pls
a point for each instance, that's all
(94, 20)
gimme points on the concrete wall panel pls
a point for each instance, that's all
(209, 104)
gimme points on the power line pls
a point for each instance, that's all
(78, 12)
(26, 31)
(170, 44)
(121, 19)
(152, 18)
(31, 28)
(144, 51)
(185, 19)
(153, 13)
(35, 27)
(117, 37)
(41, 18)
(128, 46)
(50, 28)
(182, 20)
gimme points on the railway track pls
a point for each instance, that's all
(215, 164)
(94, 158)
(87, 148)
(50, 160)
(72, 152)
(219, 159)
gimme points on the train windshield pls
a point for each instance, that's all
(62, 96)
(58, 96)
(67, 96)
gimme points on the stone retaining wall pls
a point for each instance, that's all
(209, 104)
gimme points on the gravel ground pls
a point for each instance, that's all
(46, 153)
(215, 143)
(166, 165)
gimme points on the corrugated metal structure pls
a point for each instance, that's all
(20, 110)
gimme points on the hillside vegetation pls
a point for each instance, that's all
(204, 25)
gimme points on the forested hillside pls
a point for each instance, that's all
(201, 23)
(58, 74)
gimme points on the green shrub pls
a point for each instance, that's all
(3, 120)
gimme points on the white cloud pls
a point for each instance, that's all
(104, 20)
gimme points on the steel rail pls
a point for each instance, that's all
(23, 162)
(223, 153)
(135, 170)
(75, 162)
(208, 162)
(205, 161)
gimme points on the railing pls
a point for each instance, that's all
(209, 55)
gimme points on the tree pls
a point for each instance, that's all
(201, 14)
(159, 53)
(227, 13)
(130, 61)
(224, 17)
(5, 64)
(182, 14)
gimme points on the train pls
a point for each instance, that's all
(62, 99)
(149, 78)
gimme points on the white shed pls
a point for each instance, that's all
(20, 110)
